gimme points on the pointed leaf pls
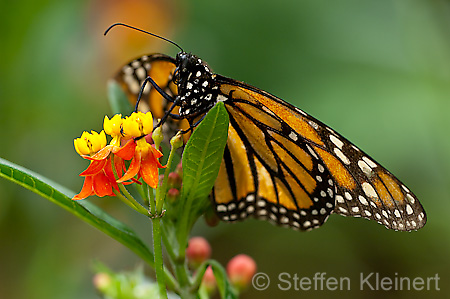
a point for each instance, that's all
(84, 210)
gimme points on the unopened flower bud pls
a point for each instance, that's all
(209, 281)
(241, 269)
(173, 194)
(198, 251)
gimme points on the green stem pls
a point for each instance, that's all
(157, 248)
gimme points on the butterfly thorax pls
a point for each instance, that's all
(197, 88)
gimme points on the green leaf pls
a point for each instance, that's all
(225, 289)
(202, 158)
(84, 210)
(118, 100)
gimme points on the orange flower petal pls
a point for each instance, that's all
(109, 172)
(87, 189)
(127, 151)
(149, 170)
(95, 167)
(135, 165)
(157, 154)
(103, 153)
(101, 185)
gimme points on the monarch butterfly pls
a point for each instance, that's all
(280, 164)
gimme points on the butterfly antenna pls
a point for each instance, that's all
(149, 33)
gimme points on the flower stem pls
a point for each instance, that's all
(157, 247)
(128, 199)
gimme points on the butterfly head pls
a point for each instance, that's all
(197, 90)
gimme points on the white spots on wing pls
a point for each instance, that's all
(365, 168)
(136, 64)
(208, 97)
(320, 167)
(221, 98)
(343, 210)
(198, 74)
(341, 156)
(410, 198)
(348, 196)
(189, 85)
(261, 203)
(221, 208)
(313, 124)
(311, 151)
(355, 209)
(284, 219)
(328, 205)
(204, 84)
(406, 189)
(369, 162)
(300, 111)
(397, 213)
(134, 86)
(127, 70)
(250, 198)
(363, 200)
(409, 210)
(293, 136)
(340, 199)
(336, 141)
(369, 190)
(141, 73)
(250, 209)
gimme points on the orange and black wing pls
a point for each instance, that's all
(160, 68)
(282, 165)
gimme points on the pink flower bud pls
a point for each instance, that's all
(173, 194)
(198, 251)
(209, 281)
(174, 180)
(102, 281)
(241, 269)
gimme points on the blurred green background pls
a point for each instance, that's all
(376, 71)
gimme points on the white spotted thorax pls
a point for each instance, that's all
(197, 91)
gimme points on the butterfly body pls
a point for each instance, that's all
(280, 164)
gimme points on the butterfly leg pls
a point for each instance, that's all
(161, 92)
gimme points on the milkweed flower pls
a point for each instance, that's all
(145, 161)
(98, 175)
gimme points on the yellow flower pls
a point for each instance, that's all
(138, 124)
(114, 125)
(90, 143)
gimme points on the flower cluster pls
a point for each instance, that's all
(131, 140)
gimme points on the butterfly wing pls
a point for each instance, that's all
(283, 165)
(160, 68)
